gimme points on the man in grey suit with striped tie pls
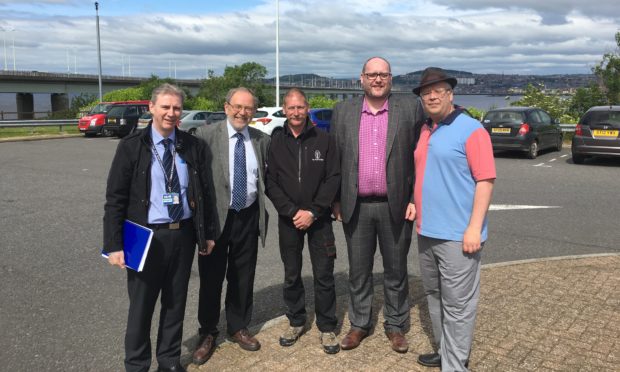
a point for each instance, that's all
(375, 135)
(237, 157)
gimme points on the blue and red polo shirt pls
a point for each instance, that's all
(449, 159)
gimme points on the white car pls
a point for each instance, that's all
(266, 119)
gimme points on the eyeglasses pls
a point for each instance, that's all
(439, 92)
(374, 75)
(237, 108)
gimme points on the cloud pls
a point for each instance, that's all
(324, 37)
(551, 11)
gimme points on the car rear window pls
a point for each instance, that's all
(599, 117)
(260, 114)
(503, 117)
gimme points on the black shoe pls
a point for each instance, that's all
(175, 368)
(433, 360)
(430, 360)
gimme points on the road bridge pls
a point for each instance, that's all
(62, 86)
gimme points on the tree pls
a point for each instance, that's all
(321, 102)
(250, 75)
(555, 105)
(585, 98)
(608, 73)
(142, 92)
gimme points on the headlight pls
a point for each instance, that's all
(123, 121)
(93, 122)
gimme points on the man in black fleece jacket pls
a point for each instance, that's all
(303, 177)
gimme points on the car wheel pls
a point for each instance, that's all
(532, 151)
(558, 147)
(192, 131)
(578, 159)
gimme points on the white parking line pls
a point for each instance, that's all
(563, 156)
(552, 160)
(507, 207)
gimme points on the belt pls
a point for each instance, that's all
(372, 199)
(170, 226)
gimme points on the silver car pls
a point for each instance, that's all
(192, 120)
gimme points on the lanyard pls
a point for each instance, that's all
(168, 179)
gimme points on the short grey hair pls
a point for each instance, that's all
(233, 91)
(376, 57)
(167, 88)
(294, 91)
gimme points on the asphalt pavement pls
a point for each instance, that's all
(63, 307)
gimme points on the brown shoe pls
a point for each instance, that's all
(204, 351)
(353, 339)
(398, 341)
(245, 340)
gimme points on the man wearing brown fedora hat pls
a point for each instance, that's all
(455, 172)
(375, 136)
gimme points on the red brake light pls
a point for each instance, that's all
(265, 121)
(578, 130)
(525, 128)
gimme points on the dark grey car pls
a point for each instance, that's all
(527, 129)
(597, 134)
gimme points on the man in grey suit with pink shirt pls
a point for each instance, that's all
(375, 135)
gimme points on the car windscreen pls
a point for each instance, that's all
(146, 115)
(100, 108)
(503, 117)
(183, 115)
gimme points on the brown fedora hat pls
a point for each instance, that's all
(433, 75)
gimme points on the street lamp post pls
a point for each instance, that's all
(13, 45)
(99, 52)
(277, 53)
(4, 42)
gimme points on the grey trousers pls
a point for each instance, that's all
(371, 222)
(451, 282)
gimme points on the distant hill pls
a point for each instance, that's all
(469, 83)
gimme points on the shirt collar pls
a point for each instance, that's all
(448, 119)
(231, 131)
(157, 138)
(366, 108)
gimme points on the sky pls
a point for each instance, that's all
(330, 38)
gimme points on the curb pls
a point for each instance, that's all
(38, 138)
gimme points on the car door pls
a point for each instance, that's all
(534, 119)
(546, 125)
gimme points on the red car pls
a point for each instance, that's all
(92, 123)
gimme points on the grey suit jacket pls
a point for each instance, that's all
(216, 137)
(404, 113)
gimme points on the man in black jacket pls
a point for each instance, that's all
(158, 179)
(303, 176)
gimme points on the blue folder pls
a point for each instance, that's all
(136, 244)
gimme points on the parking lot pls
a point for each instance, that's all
(62, 307)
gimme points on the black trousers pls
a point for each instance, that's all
(233, 258)
(166, 271)
(322, 249)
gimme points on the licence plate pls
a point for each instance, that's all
(500, 130)
(605, 133)
(112, 121)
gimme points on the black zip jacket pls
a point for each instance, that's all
(302, 172)
(129, 187)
